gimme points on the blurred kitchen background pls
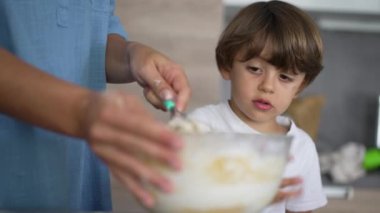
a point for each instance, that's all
(346, 92)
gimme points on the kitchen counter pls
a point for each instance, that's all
(364, 200)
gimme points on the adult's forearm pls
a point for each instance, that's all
(117, 60)
(36, 97)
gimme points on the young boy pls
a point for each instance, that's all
(270, 52)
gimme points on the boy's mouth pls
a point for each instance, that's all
(262, 104)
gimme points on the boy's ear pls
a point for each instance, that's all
(225, 74)
(300, 89)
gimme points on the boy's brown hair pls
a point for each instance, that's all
(292, 36)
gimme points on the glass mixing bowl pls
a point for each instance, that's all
(225, 172)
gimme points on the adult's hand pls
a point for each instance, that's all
(120, 131)
(160, 77)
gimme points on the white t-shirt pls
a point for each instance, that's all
(304, 161)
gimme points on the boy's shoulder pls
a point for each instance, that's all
(209, 110)
(294, 130)
(210, 114)
(301, 138)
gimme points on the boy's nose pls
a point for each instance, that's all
(267, 84)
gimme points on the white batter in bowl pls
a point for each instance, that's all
(225, 172)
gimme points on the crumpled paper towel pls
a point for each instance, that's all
(345, 164)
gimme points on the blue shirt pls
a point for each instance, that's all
(40, 169)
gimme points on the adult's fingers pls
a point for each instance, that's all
(149, 129)
(142, 195)
(128, 164)
(138, 146)
(153, 98)
(169, 82)
(160, 86)
(132, 118)
(182, 90)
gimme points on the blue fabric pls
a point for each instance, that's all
(67, 38)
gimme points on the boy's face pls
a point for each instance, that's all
(260, 91)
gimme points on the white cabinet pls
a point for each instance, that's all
(347, 6)
(337, 15)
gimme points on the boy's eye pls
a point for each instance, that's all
(286, 78)
(254, 70)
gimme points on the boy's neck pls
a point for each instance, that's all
(267, 127)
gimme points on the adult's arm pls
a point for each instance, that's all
(116, 125)
(34, 96)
